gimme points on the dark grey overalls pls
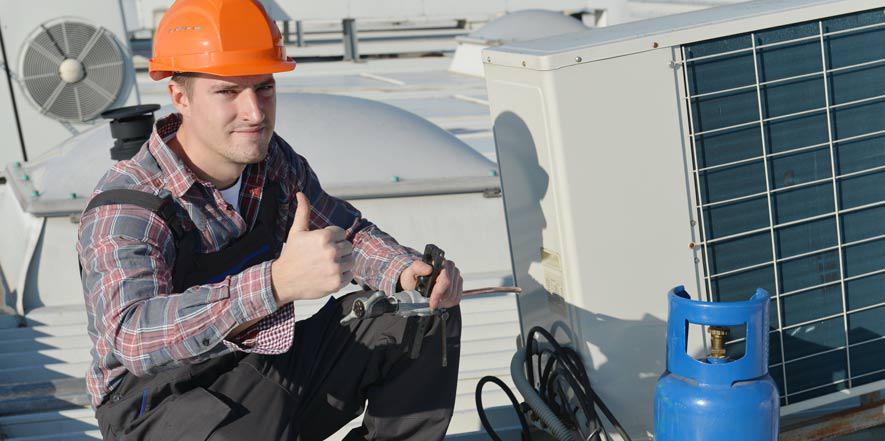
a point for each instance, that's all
(307, 393)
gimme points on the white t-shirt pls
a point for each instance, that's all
(231, 194)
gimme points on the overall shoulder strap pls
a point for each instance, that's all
(161, 206)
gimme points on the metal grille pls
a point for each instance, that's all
(787, 128)
(95, 49)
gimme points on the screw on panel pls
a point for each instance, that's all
(691, 245)
(654, 45)
(489, 59)
(523, 63)
(697, 260)
(578, 59)
(694, 222)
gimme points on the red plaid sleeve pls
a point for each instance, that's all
(124, 252)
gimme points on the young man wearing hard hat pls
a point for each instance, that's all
(193, 251)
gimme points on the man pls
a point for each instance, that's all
(189, 284)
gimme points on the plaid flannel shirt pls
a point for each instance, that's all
(138, 325)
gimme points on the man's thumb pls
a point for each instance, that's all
(301, 222)
(421, 268)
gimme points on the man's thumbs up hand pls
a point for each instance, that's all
(312, 264)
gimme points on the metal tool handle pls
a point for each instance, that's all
(435, 257)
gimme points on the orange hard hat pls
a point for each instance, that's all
(220, 37)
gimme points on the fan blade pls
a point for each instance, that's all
(78, 104)
(55, 43)
(90, 44)
(100, 90)
(55, 93)
(38, 76)
(55, 58)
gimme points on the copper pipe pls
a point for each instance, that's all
(492, 289)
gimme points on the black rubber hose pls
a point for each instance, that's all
(482, 412)
(576, 376)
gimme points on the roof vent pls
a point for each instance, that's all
(130, 126)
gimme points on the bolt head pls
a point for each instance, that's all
(578, 59)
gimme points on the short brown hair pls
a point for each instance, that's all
(184, 79)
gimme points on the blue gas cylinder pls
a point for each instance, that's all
(717, 399)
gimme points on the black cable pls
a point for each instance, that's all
(482, 413)
(556, 366)
(18, 124)
(572, 370)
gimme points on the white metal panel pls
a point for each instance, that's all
(674, 30)
(606, 197)
(386, 8)
(466, 9)
(313, 10)
(18, 236)
(54, 276)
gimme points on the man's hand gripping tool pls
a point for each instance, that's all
(413, 303)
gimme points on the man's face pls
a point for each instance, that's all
(232, 116)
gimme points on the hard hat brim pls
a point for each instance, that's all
(160, 70)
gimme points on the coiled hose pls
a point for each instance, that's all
(561, 380)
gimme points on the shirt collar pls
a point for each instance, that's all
(179, 178)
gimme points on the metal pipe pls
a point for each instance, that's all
(351, 42)
(8, 71)
(490, 290)
(870, 413)
(299, 33)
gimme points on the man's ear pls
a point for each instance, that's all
(179, 96)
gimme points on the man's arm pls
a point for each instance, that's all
(124, 251)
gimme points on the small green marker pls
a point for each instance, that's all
(26, 178)
(493, 172)
(73, 195)
(394, 178)
(35, 193)
(18, 164)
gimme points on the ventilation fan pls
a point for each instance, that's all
(72, 70)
